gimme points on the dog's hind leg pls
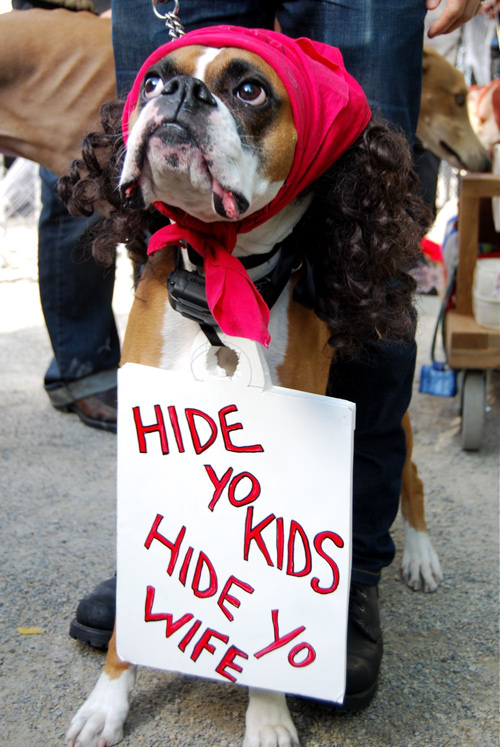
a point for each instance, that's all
(420, 566)
(268, 721)
(100, 720)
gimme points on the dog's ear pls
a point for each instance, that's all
(92, 181)
(92, 186)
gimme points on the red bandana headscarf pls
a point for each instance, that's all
(330, 111)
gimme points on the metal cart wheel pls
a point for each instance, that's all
(473, 409)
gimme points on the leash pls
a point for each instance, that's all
(172, 22)
(175, 31)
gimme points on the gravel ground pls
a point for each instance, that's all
(439, 681)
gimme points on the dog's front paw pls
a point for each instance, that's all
(420, 566)
(100, 720)
(268, 721)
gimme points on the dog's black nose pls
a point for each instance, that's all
(188, 93)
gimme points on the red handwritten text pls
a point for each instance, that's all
(203, 564)
(202, 429)
(203, 643)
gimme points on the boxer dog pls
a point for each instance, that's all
(262, 153)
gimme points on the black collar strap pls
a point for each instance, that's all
(249, 261)
(187, 288)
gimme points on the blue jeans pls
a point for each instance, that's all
(76, 299)
(381, 41)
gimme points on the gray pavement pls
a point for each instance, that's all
(439, 681)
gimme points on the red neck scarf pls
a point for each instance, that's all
(330, 111)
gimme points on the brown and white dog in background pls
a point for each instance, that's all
(159, 336)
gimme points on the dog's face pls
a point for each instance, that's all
(212, 133)
(443, 125)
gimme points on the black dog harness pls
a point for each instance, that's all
(186, 288)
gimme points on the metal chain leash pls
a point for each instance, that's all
(174, 26)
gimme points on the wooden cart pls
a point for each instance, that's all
(470, 348)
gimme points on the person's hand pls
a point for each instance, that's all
(454, 15)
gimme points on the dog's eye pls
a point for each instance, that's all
(460, 99)
(153, 86)
(251, 93)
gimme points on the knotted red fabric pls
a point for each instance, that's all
(330, 111)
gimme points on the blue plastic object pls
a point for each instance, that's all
(438, 380)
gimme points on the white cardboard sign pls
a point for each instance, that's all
(234, 531)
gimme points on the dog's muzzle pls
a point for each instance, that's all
(185, 102)
(181, 111)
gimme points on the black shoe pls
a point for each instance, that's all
(95, 615)
(97, 410)
(364, 647)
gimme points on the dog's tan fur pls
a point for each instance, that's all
(143, 340)
(56, 68)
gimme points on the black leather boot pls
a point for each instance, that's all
(95, 615)
(364, 647)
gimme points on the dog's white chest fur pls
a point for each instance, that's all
(179, 335)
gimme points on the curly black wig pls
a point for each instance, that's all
(362, 230)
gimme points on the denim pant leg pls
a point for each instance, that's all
(380, 384)
(76, 299)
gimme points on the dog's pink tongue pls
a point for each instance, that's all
(228, 201)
